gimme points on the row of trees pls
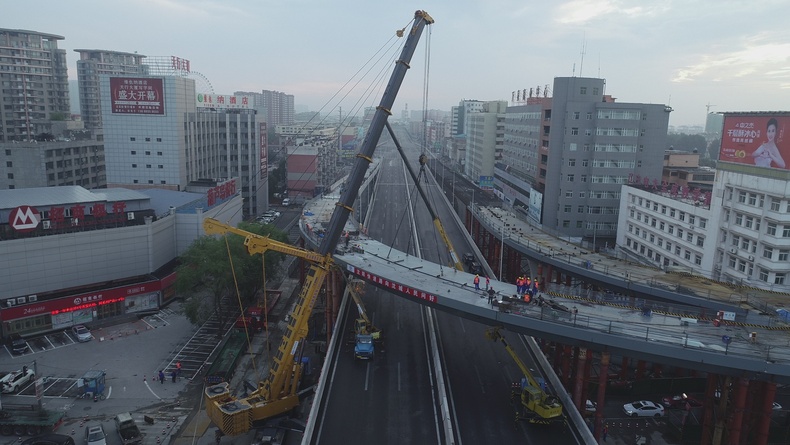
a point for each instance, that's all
(215, 267)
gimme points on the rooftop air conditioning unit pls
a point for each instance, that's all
(21, 300)
(47, 225)
(10, 302)
(32, 298)
(130, 216)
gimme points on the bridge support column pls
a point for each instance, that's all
(738, 407)
(640, 369)
(764, 406)
(557, 356)
(549, 274)
(624, 369)
(566, 367)
(581, 360)
(707, 416)
(568, 280)
(601, 397)
(586, 377)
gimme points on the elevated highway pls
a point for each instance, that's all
(755, 347)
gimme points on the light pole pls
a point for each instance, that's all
(501, 249)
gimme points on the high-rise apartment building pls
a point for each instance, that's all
(94, 63)
(565, 157)
(484, 139)
(274, 107)
(35, 83)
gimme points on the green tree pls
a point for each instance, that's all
(214, 267)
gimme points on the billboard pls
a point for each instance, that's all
(760, 140)
(133, 95)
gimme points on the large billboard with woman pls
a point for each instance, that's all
(756, 139)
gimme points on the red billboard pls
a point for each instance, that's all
(134, 95)
(760, 140)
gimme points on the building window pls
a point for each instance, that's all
(784, 254)
(147, 165)
(568, 208)
(134, 152)
(10, 176)
(677, 250)
(584, 179)
(697, 260)
(671, 213)
(572, 146)
(569, 194)
(595, 91)
(583, 90)
(669, 246)
(671, 230)
(589, 116)
(132, 139)
(147, 139)
(752, 199)
(148, 153)
(161, 166)
(682, 216)
(576, 115)
(661, 226)
(763, 275)
(135, 181)
(588, 132)
(741, 266)
(580, 209)
(749, 222)
(134, 165)
(775, 203)
(692, 219)
(736, 240)
(159, 153)
(742, 197)
(687, 255)
(570, 178)
(660, 242)
(785, 231)
(768, 252)
(575, 131)
(566, 223)
(572, 162)
(700, 241)
(779, 278)
(680, 233)
(739, 219)
(771, 229)
(9, 164)
(159, 140)
(703, 223)
(578, 224)
(586, 163)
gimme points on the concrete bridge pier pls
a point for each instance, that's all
(601, 397)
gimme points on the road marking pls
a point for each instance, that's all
(151, 390)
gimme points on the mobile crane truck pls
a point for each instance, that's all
(365, 334)
(532, 402)
(278, 393)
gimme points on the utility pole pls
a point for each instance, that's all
(36, 384)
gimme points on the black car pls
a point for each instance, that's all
(17, 344)
(49, 439)
(468, 258)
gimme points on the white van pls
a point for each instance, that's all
(286, 202)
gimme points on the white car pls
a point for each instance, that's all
(82, 333)
(94, 435)
(14, 381)
(643, 408)
(590, 407)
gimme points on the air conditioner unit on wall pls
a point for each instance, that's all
(10, 302)
(21, 300)
(32, 298)
(130, 216)
(47, 225)
(751, 258)
(733, 250)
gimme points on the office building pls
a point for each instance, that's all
(484, 141)
(51, 164)
(159, 132)
(35, 83)
(274, 107)
(565, 157)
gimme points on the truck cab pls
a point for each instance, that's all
(363, 348)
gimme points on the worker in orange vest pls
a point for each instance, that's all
(477, 282)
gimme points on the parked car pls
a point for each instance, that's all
(94, 435)
(14, 381)
(17, 344)
(82, 333)
(643, 408)
(679, 401)
(590, 408)
(286, 202)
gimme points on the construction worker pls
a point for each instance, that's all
(488, 283)
(477, 282)
(519, 284)
(491, 295)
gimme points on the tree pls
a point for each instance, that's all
(215, 267)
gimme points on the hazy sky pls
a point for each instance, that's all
(731, 54)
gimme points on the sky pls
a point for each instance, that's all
(693, 55)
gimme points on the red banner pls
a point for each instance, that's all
(756, 140)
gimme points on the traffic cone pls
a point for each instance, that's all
(163, 431)
(157, 440)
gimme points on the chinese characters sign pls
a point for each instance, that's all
(397, 287)
(264, 148)
(132, 95)
(221, 191)
(179, 64)
(221, 101)
(756, 140)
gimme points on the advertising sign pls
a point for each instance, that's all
(486, 182)
(132, 95)
(535, 205)
(223, 101)
(760, 140)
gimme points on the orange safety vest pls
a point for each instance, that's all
(526, 298)
(477, 280)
